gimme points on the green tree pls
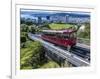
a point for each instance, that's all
(31, 56)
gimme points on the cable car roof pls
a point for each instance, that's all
(59, 31)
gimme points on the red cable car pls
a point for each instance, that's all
(66, 38)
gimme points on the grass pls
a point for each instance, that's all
(60, 26)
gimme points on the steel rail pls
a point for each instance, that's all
(72, 58)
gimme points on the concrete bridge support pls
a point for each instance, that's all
(62, 62)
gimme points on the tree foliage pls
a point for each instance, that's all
(86, 32)
(27, 21)
(31, 56)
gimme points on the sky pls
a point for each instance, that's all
(29, 13)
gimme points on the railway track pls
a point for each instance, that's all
(77, 50)
(82, 52)
(77, 55)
